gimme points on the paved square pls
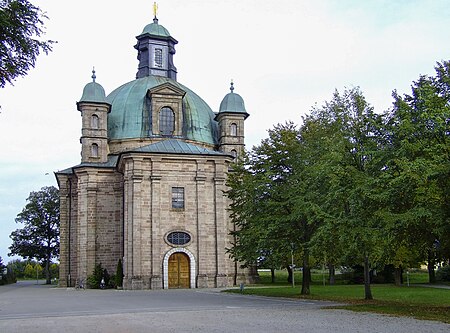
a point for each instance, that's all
(27, 307)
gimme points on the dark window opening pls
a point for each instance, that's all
(178, 238)
(178, 197)
(158, 58)
(94, 150)
(166, 121)
(233, 129)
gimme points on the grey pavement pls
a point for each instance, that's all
(27, 307)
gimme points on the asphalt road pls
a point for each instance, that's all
(27, 307)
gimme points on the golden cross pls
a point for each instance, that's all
(155, 8)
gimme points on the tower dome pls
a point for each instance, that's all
(93, 92)
(233, 103)
(155, 29)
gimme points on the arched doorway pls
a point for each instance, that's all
(178, 270)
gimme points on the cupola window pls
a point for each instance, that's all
(233, 129)
(94, 121)
(94, 150)
(234, 153)
(158, 58)
(166, 121)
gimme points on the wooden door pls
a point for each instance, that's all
(179, 273)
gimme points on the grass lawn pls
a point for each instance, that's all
(418, 302)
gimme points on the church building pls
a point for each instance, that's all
(149, 189)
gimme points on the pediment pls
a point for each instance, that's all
(166, 89)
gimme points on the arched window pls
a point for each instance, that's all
(233, 129)
(94, 150)
(234, 153)
(94, 121)
(166, 121)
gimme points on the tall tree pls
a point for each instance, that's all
(269, 207)
(417, 175)
(350, 164)
(39, 238)
(21, 26)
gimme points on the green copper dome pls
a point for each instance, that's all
(93, 92)
(130, 115)
(155, 29)
(233, 103)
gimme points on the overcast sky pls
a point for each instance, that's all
(283, 55)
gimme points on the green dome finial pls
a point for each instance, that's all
(93, 74)
(231, 87)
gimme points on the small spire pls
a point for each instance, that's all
(93, 74)
(155, 10)
(231, 87)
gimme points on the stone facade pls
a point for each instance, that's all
(126, 213)
(156, 199)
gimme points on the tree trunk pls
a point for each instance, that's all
(430, 266)
(367, 291)
(272, 274)
(48, 279)
(306, 280)
(289, 273)
(331, 274)
(398, 276)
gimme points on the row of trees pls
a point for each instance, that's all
(30, 269)
(350, 186)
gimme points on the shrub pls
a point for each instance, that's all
(443, 273)
(119, 274)
(93, 281)
(7, 278)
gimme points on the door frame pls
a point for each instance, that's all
(192, 265)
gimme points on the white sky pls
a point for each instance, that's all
(283, 55)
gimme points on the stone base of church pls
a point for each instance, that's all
(221, 281)
(156, 282)
(205, 281)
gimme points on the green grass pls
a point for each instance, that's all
(418, 302)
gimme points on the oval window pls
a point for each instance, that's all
(178, 238)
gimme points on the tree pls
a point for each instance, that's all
(21, 26)
(270, 205)
(417, 175)
(348, 172)
(18, 267)
(40, 236)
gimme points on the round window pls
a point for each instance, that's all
(178, 238)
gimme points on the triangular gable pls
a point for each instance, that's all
(166, 89)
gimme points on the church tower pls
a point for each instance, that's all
(155, 51)
(231, 117)
(94, 110)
